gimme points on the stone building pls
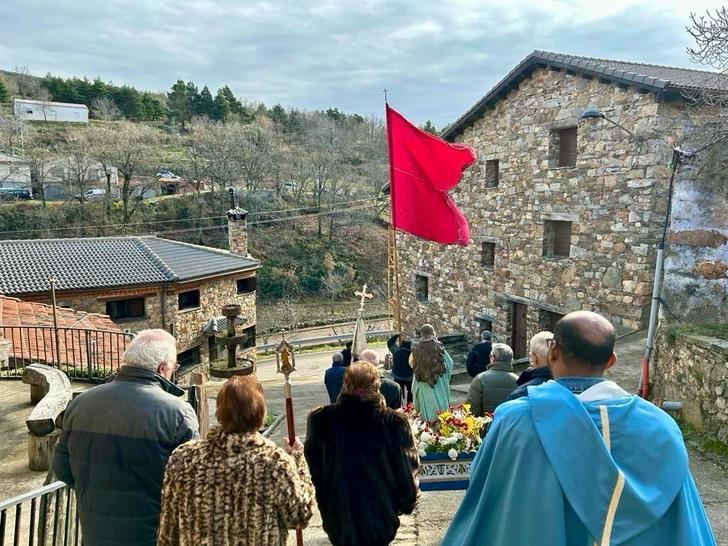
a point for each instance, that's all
(144, 282)
(564, 212)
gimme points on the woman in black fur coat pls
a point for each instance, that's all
(363, 463)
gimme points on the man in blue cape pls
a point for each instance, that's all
(596, 464)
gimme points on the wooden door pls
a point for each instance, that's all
(519, 342)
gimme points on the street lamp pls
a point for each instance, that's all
(596, 114)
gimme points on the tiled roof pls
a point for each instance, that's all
(645, 77)
(28, 327)
(108, 262)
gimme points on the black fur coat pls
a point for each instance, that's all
(363, 463)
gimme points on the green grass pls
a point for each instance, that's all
(711, 446)
(719, 331)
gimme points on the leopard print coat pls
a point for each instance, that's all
(233, 490)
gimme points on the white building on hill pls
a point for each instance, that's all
(38, 110)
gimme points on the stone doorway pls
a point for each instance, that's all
(519, 341)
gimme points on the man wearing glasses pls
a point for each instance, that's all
(116, 440)
(598, 465)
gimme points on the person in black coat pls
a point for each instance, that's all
(363, 463)
(479, 355)
(401, 369)
(539, 371)
(346, 353)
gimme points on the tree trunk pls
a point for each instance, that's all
(40, 450)
(125, 195)
(108, 196)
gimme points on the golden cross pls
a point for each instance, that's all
(364, 296)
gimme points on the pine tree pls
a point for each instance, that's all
(220, 108)
(429, 127)
(4, 94)
(206, 104)
(177, 103)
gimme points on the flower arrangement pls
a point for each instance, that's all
(455, 430)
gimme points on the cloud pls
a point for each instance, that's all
(435, 58)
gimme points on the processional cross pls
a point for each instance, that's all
(364, 296)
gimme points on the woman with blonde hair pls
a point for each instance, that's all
(363, 462)
(236, 487)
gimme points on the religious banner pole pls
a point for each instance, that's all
(286, 364)
(392, 223)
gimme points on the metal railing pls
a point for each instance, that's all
(43, 516)
(81, 353)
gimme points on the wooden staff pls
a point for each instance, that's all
(286, 364)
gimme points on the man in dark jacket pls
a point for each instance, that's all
(401, 369)
(539, 371)
(479, 355)
(490, 388)
(116, 440)
(334, 376)
(390, 390)
(346, 353)
(363, 462)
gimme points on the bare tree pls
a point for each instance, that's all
(133, 151)
(218, 145)
(710, 33)
(12, 135)
(105, 108)
(42, 162)
(101, 139)
(335, 282)
(257, 154)
(324, 154)
(77, 162)
(28, 86)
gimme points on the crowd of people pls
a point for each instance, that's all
(598, 465)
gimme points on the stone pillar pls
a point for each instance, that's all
(4, 352)
(238, 231)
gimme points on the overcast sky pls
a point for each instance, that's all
(436, 57)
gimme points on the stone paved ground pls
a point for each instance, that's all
(434, 512)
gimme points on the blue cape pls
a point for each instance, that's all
(554, 471)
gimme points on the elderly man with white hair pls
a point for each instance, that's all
(116, 440)
(390, 390)
(539, 371)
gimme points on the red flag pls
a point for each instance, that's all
(422, 169)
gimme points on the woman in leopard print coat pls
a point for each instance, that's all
(236, 487)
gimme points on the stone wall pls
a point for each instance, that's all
(694, 369)
(614, 197)
(696, 261)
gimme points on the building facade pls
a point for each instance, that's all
(564, 212)
(40, 110)
(145, 282)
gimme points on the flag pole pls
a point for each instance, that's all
(392, 224)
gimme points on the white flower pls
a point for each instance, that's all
(450, 440)
(426, 437)
(453, 454)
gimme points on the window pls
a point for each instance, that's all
(189, 300)
(487, 255)
(246, 286)
(422, 291)
(547, 319)
(250, 341)
(189, 358)
(556, 239)
(491, 173)
(564, 146)
(125, 309)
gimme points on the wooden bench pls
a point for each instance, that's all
(50, 390)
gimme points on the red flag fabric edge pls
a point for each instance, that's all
(423, 167)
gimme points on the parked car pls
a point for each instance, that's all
(14, 194)
(167, 175)
(91, 195)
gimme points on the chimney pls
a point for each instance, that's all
(237, 227)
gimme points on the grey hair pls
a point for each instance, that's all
(370, 355)
(337, 357)
(150, 348)
(486, 335)
(502, 353)
(539, 345)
